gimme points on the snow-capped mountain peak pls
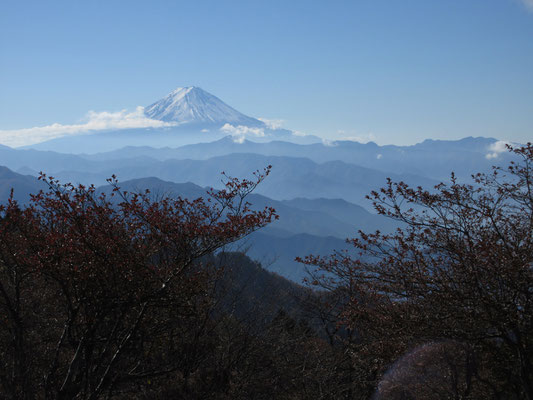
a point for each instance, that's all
(193, 105)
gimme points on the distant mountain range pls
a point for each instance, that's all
(22, 186)
(345, 170)
(291, 177)
(434, 159)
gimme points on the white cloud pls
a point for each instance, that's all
(239, 139)
(354, 137)
(528, 4)
(329, 143)
(204, 130)
(496, 148)
(272, 123)
(96, 121)
(299, 133)
(240, 132)
(278, 124)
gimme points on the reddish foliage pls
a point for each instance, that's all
(91, 286)
(460, 268)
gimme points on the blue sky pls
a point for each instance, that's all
(394, 71)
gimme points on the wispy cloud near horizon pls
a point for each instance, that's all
(240, 132)
(272, 123)
(496, 148)
(528, 4)
(356, 137)
(95, 121)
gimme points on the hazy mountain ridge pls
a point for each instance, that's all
(432, 159)
(22, 185)
(311, 176)
(291, 177)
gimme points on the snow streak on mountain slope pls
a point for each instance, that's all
(192, 105)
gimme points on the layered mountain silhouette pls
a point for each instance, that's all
(291, 177)
(434, 159)
(21, 186)
(346, 170)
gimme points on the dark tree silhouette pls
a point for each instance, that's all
(104, 296)
(460, 270)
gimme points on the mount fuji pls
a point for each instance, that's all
(193, 105)
(191, 114)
